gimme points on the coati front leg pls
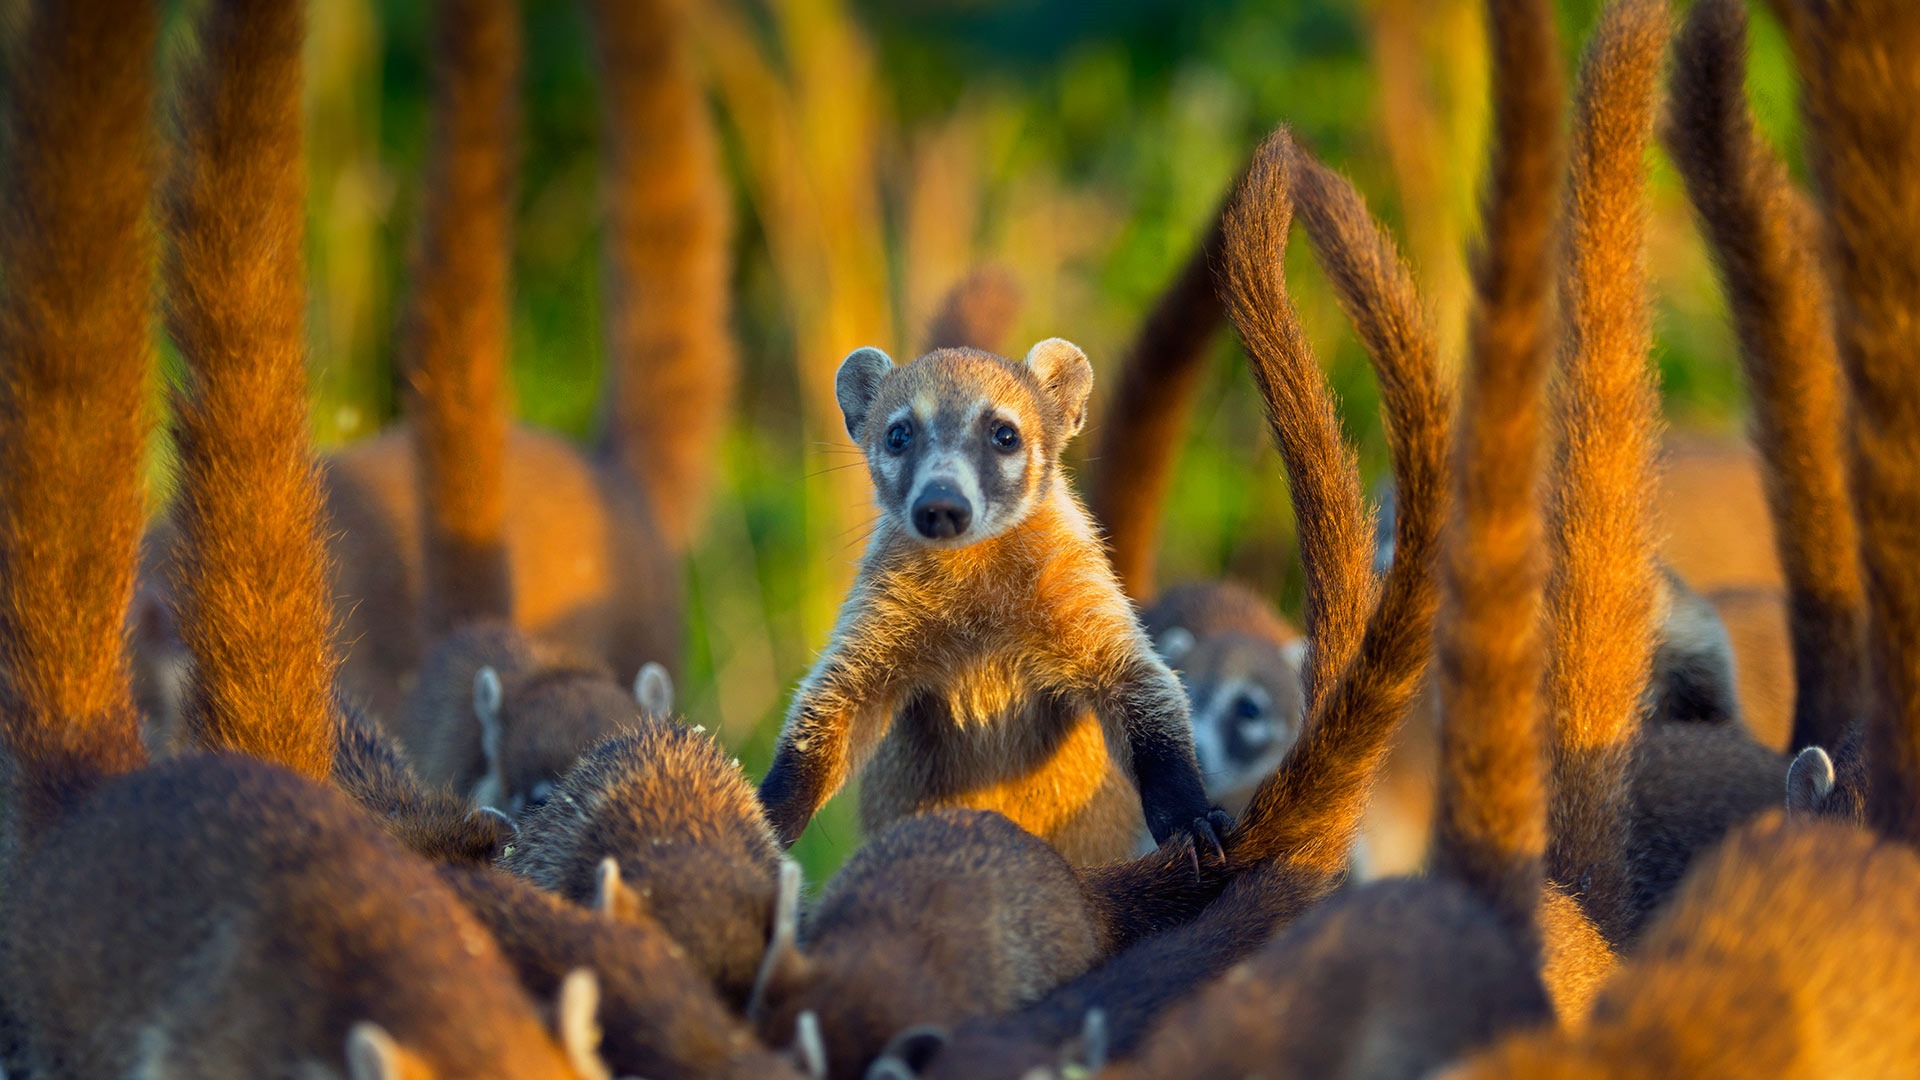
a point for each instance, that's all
(840, 714)
(1143, 709)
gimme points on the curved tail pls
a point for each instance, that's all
(1146, 418)
(1763, 239)
(1860, 70)
(456, 334)
(1603, 622)
(76, 335)
(670, 349)
(1366, 660)
(250, 574)
(1491, 813)
(977, 313)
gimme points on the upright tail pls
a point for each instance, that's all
(456, 333)
(1365, 664)
(1860, 70)
(1601, 593)
(1146, 418)
(669, 346)
(250, 575)
(76, 335)
(1491, 815)
(1763, 238)
(977, 313)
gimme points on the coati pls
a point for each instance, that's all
(314, 942)
(1291, 850)
(434, 822)
(594, 540)
(978, 312)
(1240, 664)
(659, 1012)
(683, 823)
(986, 656)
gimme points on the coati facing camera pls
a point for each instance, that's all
(1241, 665)
(986, 656)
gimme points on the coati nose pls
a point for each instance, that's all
(941, 512)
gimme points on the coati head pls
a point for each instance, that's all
(963, 444)
(534, 725)
(1241, 666)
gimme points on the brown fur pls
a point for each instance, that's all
(977, 313)
(1860, 70)
(1690, 784)
(1602, 589)
(688, 834)
(1359, 688)
(250, 569)
(455, 338)
(75, 331)
(659, 1012)
(285, 909)
(433, 822)
(1791, 951)
(1145, 418)
(666, 201)
(1764, 243)
(440, 729)
(944, 915)
(1008, 673)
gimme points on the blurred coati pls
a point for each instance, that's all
(685, 827)
(986, 656)
(316, 943)
(1291, 849)
(978, 312)
(593, 542)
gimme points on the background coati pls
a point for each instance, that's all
(986, 656)
(316, 940)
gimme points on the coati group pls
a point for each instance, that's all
(366, 765)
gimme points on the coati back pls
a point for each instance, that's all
(593, 542)
(1240, 664)
(319, 942)
(687, 831)
(986, 656)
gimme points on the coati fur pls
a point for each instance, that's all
(593, 541)
(1240, 664)
(433, 822)
(978, 312)
(986, 656)
(684, 824)
(1765, 244)
(659, 1012)
(313, 941)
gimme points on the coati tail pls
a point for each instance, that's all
(977, 313)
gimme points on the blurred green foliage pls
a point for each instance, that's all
(1084, 145)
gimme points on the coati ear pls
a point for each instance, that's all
(579, 1015)
(783, 959)
(373, 1055)
(1809, 781)
(611, 896)
(856, 384)
(809, 1049)
(487, 696)
(1067, 378)
(653, 689)
(1174, 643)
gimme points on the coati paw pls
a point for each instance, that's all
(1202, 834)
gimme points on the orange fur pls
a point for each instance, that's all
(1602, 588)
(1490, 829)
(1763, 238)
(669, 344)
(1860, 70)
(75, 331)
(250, 577)
(455, 338)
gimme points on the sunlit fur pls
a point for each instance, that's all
(76, 334)
(1764, 241)
(1001, 668)
(250, 568)
(1603, 587)
(454, 338)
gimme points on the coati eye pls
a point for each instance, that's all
(899, 435)
(1248, 708)
(541, 794)
(1005, 437)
